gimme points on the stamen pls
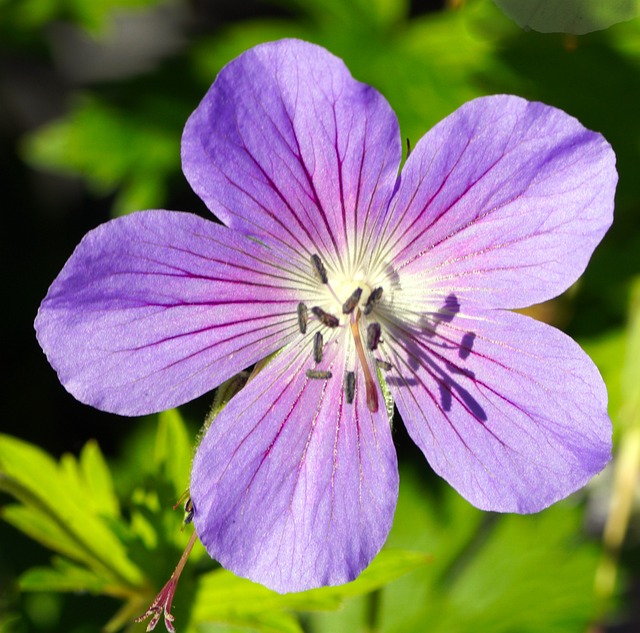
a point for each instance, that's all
(383, 364)
(325, 318)
(349, 386)
(189, 511)
(317, 347)
(373, 335)
(316, 374)
(350, 304)
(319, 269)
(373, 300)
(370, 386)
(303, 317)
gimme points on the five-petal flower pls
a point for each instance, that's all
(355, 275)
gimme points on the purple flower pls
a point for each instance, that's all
(355, 276)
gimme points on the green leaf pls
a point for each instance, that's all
(355, 15)
(110, 148)
(140, 192)
(269, 622)
(173, 450)
(532, 574)
(389, 565)
(433, 66)
(432, 518)
(569, 16)
(507, 573)
(45, 529)
(59, 496)
(211, 54)
(224, 597)
(28, 14)
(25, 468)
(97, 477)
(65, 576)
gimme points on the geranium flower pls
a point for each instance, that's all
(356, 276)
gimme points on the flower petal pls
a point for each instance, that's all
(156, 308)
(503, 201)
(292, 486)
(287, 147)
(510, 411)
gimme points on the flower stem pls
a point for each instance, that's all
(162, 602)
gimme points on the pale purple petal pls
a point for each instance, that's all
(158, 307)
(288, 147)
(510, 411)
(295, 481)
(292, 486)
(504, 202)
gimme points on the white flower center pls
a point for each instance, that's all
(347, 301)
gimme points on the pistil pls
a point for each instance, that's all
(370, 385)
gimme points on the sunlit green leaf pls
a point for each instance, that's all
(65, 576)
(97, 476)
(569, 16)
(42, 527)
(224, 597)
(211, 54)
(268, 622)
(385, 568)
(508, 573)
(532, 574)
(59, 498)
(174, 449)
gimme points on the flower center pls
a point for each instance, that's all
(347, 289)
(345, 302)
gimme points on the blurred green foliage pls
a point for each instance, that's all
(91, 141)
(447, 567)
(25, 16)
